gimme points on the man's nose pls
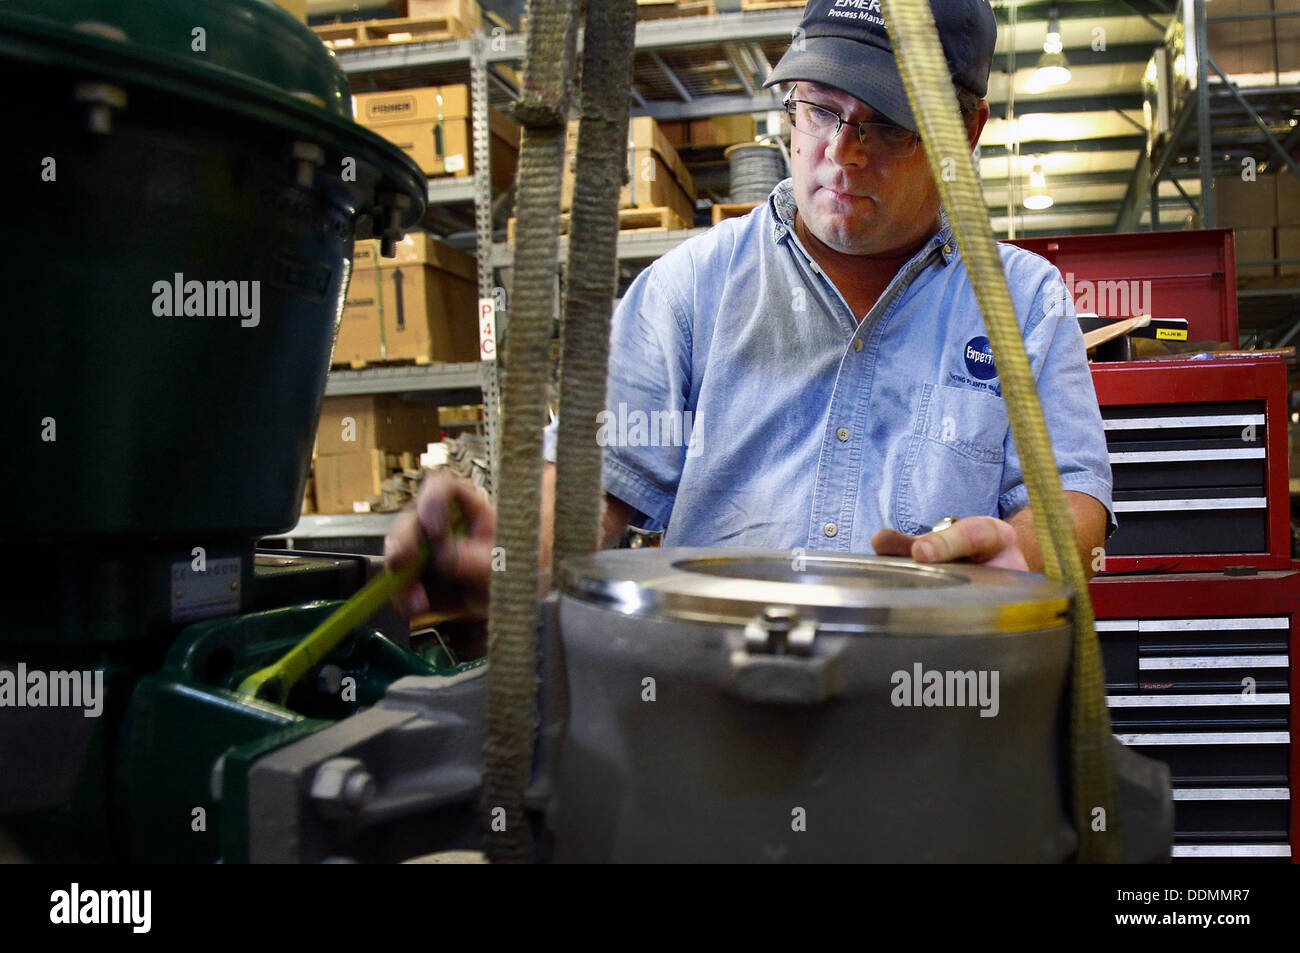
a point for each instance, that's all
(846, 148)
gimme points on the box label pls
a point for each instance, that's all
(1171, 334)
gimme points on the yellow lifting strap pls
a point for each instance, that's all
(930, 92)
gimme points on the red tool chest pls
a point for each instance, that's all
(1188, 274)
(1198, 453)
(1198, 675)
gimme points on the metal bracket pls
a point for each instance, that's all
(775, 663)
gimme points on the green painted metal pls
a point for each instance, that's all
(276, 681)
(156, 173)
(254, 41)
(189, 715)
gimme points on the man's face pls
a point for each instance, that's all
(857, 202)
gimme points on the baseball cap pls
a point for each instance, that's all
(843, 43)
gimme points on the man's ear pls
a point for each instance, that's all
(975, 123)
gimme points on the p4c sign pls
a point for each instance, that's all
(487, 329)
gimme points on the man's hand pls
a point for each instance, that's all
(1008, 544)
(459, 574)
(979, 539)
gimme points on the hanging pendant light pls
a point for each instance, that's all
(1038, 199)
(1053, 68)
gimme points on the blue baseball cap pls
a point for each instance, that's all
(843, 43)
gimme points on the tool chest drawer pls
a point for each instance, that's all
(1198, 454)
(1198, 675)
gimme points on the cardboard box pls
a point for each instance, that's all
(1255, 244)
(712, 131)
(1242, 47)
(657, 177)
(432, 125)
(421, 305)
(1288, 44)
(343, 479)
(1288, 196)
(723, 130)
(1241, 204)
(374, 422)
(463, 414)
(467, 12)
(1288, 246)
(297, 7)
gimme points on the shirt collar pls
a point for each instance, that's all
(783, 207)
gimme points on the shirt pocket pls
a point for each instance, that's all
(953, 461)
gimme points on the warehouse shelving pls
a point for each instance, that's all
(704, 66)
(450, 379)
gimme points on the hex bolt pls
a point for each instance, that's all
(768, 632)
(341, 787)
(391, 207)
(308, 156)
(358, 789)
(102, 99)
(780, 618)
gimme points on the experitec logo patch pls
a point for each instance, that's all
(979, 359)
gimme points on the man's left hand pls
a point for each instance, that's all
(978, 539)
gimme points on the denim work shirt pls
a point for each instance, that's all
(747, 407)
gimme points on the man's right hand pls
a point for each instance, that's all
(458, 576)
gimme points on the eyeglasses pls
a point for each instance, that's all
(818, 121)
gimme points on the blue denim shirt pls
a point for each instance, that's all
(747, 407)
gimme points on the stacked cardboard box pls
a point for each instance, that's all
(432, 125)
(297, 7)
(463, 414)
(466, 12)
(1247, 48)
(711, 131)
(421, 305)
(353, 443)
(1255, 209)
(657, 177)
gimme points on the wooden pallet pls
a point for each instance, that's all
(657, 219)
(723, 210)
(368, 33)
(394, 362)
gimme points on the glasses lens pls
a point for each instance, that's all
(815, 120)
(890, 140)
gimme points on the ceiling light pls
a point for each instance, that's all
(1037, 199)
(1053, 68)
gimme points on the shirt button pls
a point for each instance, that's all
(947, 249)
(843, 434)
(857, 344)
(831, 529)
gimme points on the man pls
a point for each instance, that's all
(823, 359)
